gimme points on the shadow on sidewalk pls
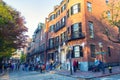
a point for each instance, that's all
(89, 74)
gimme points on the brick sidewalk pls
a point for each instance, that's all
(89, 74)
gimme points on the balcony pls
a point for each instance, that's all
(74, 36)
(59, 27)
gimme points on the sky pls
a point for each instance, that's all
(34, 11)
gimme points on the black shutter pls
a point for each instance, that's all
(79, 7)
(81, 51)
(72, 53)
(80, 27)
(65, 20)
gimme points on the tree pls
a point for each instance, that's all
(112, 18)
(23, 57)
(12, 30)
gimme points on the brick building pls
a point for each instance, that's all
(36, 49)
(76, 24)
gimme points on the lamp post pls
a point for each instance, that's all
(70, 59)
(101, 49)
(101, 52)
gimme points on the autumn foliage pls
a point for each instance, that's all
(12, 30)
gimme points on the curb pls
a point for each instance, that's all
(66, 75)
(87, 78)
(107, 75)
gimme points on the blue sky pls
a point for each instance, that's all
(34, 11)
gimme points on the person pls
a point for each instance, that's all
(77, 65)
(51, 64)
(47, 66)
(110, 69)
(40, 67)
(102, 67)
(74, 65)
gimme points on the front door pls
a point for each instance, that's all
(63, 56)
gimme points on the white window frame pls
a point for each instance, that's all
(91, 29)
(89, 6)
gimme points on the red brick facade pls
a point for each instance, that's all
(77, 23)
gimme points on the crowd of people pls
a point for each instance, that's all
(48, 66)
(27, 66)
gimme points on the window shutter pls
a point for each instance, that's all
(80, 27)
(79, 7)
(72, 53)
(81, 51)
(64, 20)
(71, 10)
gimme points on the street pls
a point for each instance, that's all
(22, 75)
(33, 75)
(112, 77)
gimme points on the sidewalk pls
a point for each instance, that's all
(89, 74)
(2, 73)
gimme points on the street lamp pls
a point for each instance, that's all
(70, 59)
(102, 53)
(101, 50)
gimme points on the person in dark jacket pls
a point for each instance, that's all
(74, 65)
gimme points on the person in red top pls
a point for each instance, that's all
(74, 65)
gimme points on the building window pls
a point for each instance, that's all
(92, 50)
(51, 42)
(75, 9)
(91, 29)
(109, 51)
(107, 1)
(62, 37)
(63, 20)
(78, 51)
(67, 0)
(52, 28)
(63, 7)
(65, 35)
(57, 27)
(76, 30)
(89, 6)
(57, 41)
(58, 13)
(52, 17)
(108, 14)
